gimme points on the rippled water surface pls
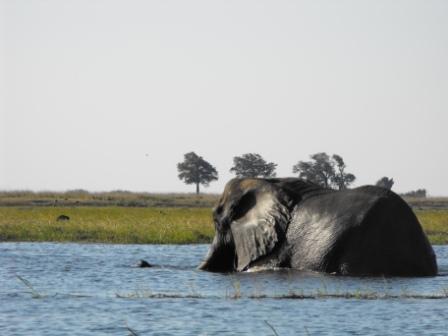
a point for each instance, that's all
(80, 289)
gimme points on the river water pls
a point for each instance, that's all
(96, 289)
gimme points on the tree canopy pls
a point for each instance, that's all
(252, 165)
(419, 193)
(385, 182)
(195, 170)
(326, 171)
(341, 179)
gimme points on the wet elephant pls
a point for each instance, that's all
(269, 223)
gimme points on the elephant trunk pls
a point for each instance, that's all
(220, 257)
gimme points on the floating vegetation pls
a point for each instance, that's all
(321, 294)
(317, 295)
(271, 327)
(132, 332)
(34, 293)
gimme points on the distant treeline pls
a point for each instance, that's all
(322, 169)
(419, 193)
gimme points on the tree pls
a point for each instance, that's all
(325, 171)
(195, 170)
(252, 165)
(385, 182)
(341, 179)
(319, 171)
(419, 193)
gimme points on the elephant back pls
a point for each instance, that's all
(368, 230)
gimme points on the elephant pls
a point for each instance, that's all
(292, 223)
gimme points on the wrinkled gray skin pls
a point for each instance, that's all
(271, 223)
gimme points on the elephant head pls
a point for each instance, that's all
(251, 219)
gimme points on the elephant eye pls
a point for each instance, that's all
(247, 202)
(218, 210)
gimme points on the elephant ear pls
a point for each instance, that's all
(259, 224)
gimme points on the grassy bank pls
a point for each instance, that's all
(107, 225)
(435, 224)
(140, 225)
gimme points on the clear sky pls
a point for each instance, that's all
(106, 95)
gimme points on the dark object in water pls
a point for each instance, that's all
(144, 263)
(62, 218)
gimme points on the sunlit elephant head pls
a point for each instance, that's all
(250, 220)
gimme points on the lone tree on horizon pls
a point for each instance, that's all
(341, 179)
(252, 165)
(385, 182)
(195, 170)
(325, 171)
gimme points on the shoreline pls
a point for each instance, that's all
(141, 225)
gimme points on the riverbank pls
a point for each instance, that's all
(121, 198)
(117, 198)
(138, 225)
(119, 225)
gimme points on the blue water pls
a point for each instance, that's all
(83, 289)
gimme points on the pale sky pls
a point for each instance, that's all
(106, 95)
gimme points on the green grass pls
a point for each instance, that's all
(435, 224)
(137, 225)
(107, 225)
